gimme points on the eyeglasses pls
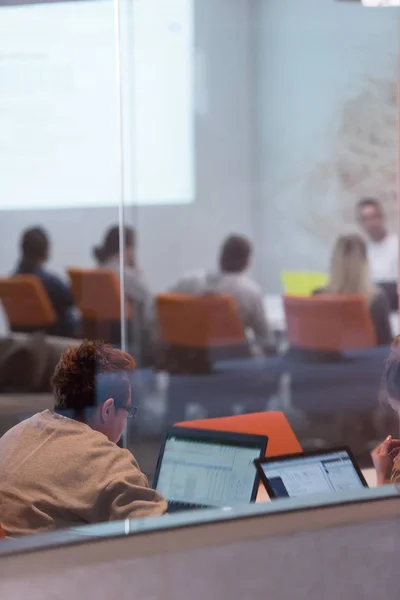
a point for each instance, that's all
(131, 410)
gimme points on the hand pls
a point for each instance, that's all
(383, 458)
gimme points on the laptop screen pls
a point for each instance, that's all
(315, 474)
(207, 472)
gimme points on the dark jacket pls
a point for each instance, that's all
(61, 299)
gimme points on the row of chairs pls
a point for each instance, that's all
(97, 296)
(318, 323)
(26, 303)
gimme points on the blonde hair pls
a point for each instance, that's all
(350, 272)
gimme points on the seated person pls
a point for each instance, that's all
(350, 274)
(35, 248)
(136, 288)
(64, 468)
(230, 279)
(386, 457)
(382, 248)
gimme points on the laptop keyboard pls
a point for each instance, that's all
(179, 506)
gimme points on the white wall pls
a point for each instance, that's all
(326, 76)
(176, 238)
(296, 91)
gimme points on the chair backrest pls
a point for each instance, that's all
(329, 322)
(199, 321)
(26, 302)
(302, 283)
(282, 439)
(97, 294)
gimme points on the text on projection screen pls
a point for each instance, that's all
(59, 137)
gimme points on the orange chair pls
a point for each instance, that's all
(97, 295)
(281, 437)
(199, 321)
(26, 303)
(328, 323)
(193, 325)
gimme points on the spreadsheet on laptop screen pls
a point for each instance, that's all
(320, 473)
(207, 473)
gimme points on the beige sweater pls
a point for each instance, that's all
(56, 472)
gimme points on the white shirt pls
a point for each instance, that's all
(245, 292)
(383, 258)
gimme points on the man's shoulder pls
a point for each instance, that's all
(249, 285)
(191, 279)
(393, 240)
(135, 275)
(94, 446)
(36, 422)
(50, 279)
(196, 274)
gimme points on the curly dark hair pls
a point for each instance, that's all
(89, 374)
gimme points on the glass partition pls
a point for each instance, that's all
(60, 172)
(294, 118)
(210, 186)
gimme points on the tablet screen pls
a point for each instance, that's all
(320, 473)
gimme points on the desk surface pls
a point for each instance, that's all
(369, 475)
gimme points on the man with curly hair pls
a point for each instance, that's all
(62, 468)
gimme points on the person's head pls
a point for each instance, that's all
(110, 247)
(371, 218)
(91, 384)
(34, 249)
(391, 376)
(235, 254)
(349, 272)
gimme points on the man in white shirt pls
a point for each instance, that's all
(383, 247)
(230, 279)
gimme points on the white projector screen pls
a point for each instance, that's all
(59, 136)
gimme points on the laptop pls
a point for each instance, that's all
(314, 472)
(198, 468)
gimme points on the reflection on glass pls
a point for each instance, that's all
(253, 149)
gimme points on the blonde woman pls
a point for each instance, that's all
(350, 274)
